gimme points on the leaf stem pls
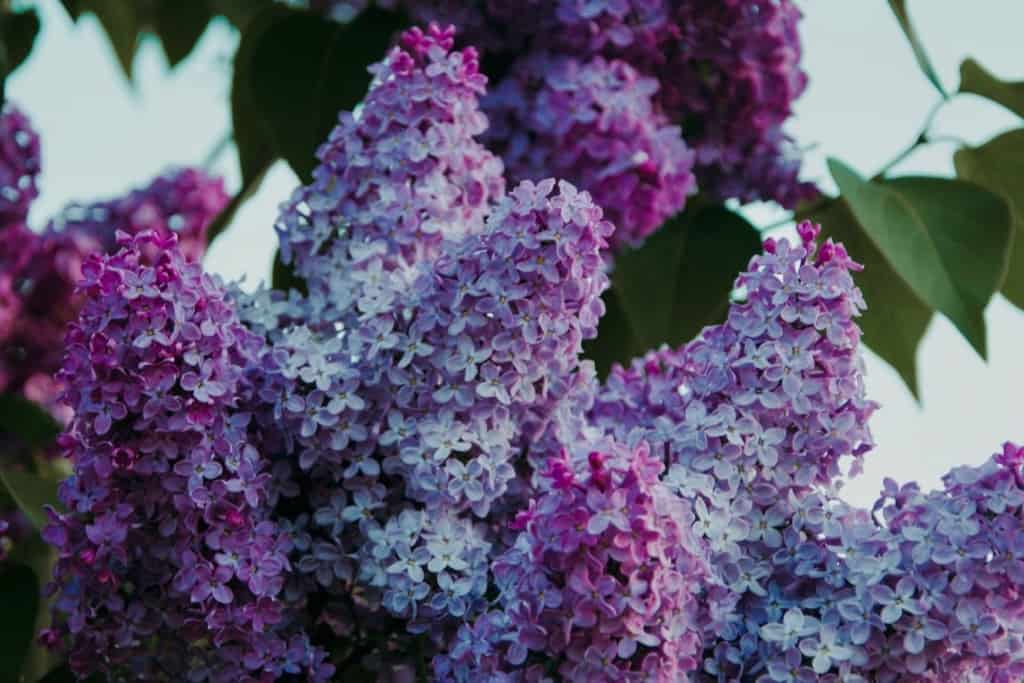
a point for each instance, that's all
(218, 149)
(923, 138)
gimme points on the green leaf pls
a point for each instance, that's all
(896, 318)
(240, 12)
(615, 342)
(121, 21)
(28, 421)
(998, 165)
(249, 129)
(674, 285)
(949, 240)
(283, 276)
(180, 25)
(227, 214)
(31, 492)
(976, 80)
(306, 69)
(20, 593)
(73, 8)
(18, 30)
(899, 8)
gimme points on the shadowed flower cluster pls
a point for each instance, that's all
(639, 102)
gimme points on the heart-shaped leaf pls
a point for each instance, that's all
(675, 284)
(999, 166)
(122, 23)
(949, 240)
(307, 69)
(975, 79)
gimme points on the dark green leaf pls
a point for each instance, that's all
(307, 69)
(999, 166)
(31, 492)
(33, 425)
(976, 80)
(73, 8)
(896, 318)
(240, 12)
(250, 131)
(949, 240)
(120, 19)
(20, 593)
(62, 674)
(19, 31)
(899, 8)
(615, 342)
(224, 218)
(180, 25)
(677, 283)
(283, 276)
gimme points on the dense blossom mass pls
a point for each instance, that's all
(406, 470)
(596, 123)
(722, 75)
(169, 557)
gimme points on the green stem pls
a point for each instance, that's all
(218, 149)
(923, 138)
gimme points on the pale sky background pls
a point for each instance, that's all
(866, 101)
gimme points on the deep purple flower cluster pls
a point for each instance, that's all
(410, 463)
(39, 271)
(601, 584)
(169, 559)
(183, 202)
(635, 100)
(19, 164)
(593, 122)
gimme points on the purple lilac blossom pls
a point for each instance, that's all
(727, 73)
(169, 563)
(604, 583)
(19, 164)
(398, 179)
(593, 123)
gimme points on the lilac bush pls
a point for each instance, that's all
(407, 470)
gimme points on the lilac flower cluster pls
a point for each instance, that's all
(169, 560)
(593, 122)
(640, 101)
(19, 164)
(39, 270)
(455, 340)
(409, 463)
(396, 181)
(601, 584)
(183, 202)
